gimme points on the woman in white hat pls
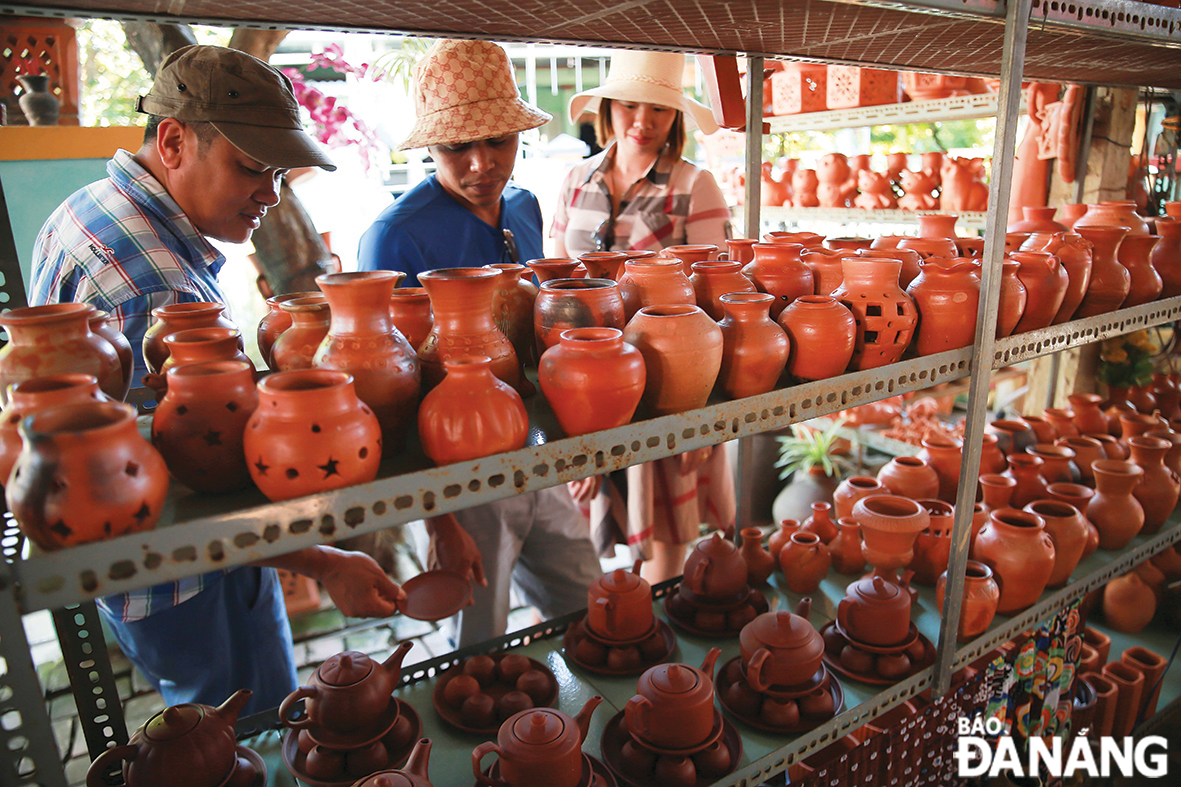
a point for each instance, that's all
(640, 193)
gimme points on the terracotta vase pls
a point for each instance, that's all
(198, 426)
(754, 348)
(1062, 420)
(1069, 532)
(928, 248)
(1129, 684)
(1012, 302)
(410, 310)
(471, 414)
(1117, 213)
(760, 564)
(1129, 603)
(655, 281)
(363, 341)
(805, 561)
(461, 300)
(981, 597)
(1072, 212)
(931, 553)
(310, 434)
(1112, 447)
(1013, 435)
(997, 491)
(822, 334)
(909, 258)
(809, 240)
(274, 322)
(946, 294)
(102, 324)
(56, 339)
(780, 537)
(575, 303)
(1058, 463)
(512, 311)
(1159, 487)
(33, 395)
(992, 458)
(1167, 395)
(1037, 218)
(1106, 700)
(550, 268)
(1088, 416)
(885, 315)
(682, 349)
(1026, 470)
(852, 489)
(1074, 253)
(592, 379)
(1043, 430)
(825, 265)
(178, 317)
(295, 348)
(1045, 283)
(741, 249)
(1166, 256)
(1114, 510)
(1173, 457)
(1110, 281)
(845, 549)
(778, 269)
(713, 279)
(944, 455)
(691, 253)
(85, 474)
(1135, 254)
(910, 476)
(198, 345)
(937, 225)
(604, 264)
(820, 522)
(889, 526)
(1016, 546)
(1087, 450)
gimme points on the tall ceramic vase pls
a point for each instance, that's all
(471, 414)
(779, 270)
(274, 322)
(37, 101)
(512, 310)
(1110, 281)
(1016, 546)
(885, 315)
(1135, 254)
(295, 348)
(461, 299)
(754, 348)
(1114, 510)
(682, 349)
(1159, 487)
(1074, 252)
(592, 379)
(1166, 256)
(56, 339)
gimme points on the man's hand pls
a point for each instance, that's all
(454, 549)
(584, 489)
(354, 581)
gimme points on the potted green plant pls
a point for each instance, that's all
(814, 460)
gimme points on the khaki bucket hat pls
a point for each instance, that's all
(647, 77)
(466, 91)
(250, 102)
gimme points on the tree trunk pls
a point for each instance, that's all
(154, 42)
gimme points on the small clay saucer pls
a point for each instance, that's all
(495, 690)
(579, 631)
(812, 684)
(295, 759)
(616, 736)
(434, 595)
(714, 734)
(260, 769)
(733, 602)
(833, 660)
(591, 767)
(826, 683)
(911, 636)
(361, 737)
(757, 603)
(617, 643)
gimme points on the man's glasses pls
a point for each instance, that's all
(510, 248)
(604, 236)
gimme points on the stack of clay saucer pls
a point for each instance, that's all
(620, 634)
(714, 599)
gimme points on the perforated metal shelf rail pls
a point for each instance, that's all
(852, 217)
(982, 105)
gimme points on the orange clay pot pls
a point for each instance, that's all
(274, 322)
(779, 270)
(1110, 281)
(1159, 487)
(102, 324)
(39, 393)
(981, 597)
(1135, 254)
(1016, 546)
(56, 339)
(178, 317)
(885, 315)
(713, 279)
(1114, 510)
(592, 379)
(471, 414)
(1069, 531)
(823, 335)
(754, 348)
(410, 309)
(575, 303)
(682, 349)
(296, 346)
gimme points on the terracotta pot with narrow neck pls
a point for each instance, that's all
(944, 455)
(363, 341)
(1045, 283)
(910, 476)
(779, 270)
(1069, 531)
(1135, 254)
(410, 309)
(822, 334)
(1074, 252)
(1026, 470)
(1173, 457)
(845, 549)
(981, 596)
(682, 349)
(296, 346)
(1166, 256)
(1062, 420)
(754, 348)
(937, 225)
(826, 268)
(760, 564)
(1137, 424)
(805, 561)
(1087, 451)
(1088, 416)
(178, 317)
(909, 258)
(30, 396)
(654, 282)
(1110, 281)
(713, 279)
(592, 380)
(461, 300)
(1167, 394)
(946, 294)
(741, 249)
(886, 316)
(1114, 510)
(1016, 546)
(102, 324)
(1118, 213)
(997, 491)
(853, 489)
(1013, 299)
(274, 322)
(992, 458)
(513, 299)
(1159, 487)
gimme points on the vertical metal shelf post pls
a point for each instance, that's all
(1004, 143)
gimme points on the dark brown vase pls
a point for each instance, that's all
(575, 303)
(56, 339)
(296, 346)
(513, 299)
(1110, 281)
(1045, 283)
(461, 300)
(713, 279)
(946, 294)
(102, 324)
(274, 322)
(1069, 531)
(471, 414)
(1013, 299)
(778, 269)
(1135, 254)
(1114, 510)
(1159, 487)
(885, 315)
(754, 348)
(178, 317)
(823, 336)
(592, 379)
(1016, 546)
(981, 597)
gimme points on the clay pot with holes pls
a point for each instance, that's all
(29, 396)
(885, 315)
(1069, 531)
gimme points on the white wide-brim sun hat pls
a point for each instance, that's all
(646, 77)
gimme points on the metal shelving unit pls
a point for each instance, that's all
(954, 108)
(970, 220)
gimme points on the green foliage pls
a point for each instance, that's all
(1127, 360)
(808, 448)
(397, 65)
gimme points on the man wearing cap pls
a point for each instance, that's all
(468, 214)
(223, 129)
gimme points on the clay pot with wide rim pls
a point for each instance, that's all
(513, 301)
(1087, 450)
(471, 413)
(779, 269)
(1088, 416)
(885, 315)
(1013, 298)
(102, 324)
(946, 294)
(1016, 546)
(944, 455)
(1173, 457)
(908, 257)
(781, 648)
(29, 396)
(715, 278)
(1166, 256)
(852, 489)
(310, 434)
(875, 611)
(1159, 487)
(674, 705)
(1117, 213)
(822, 334)
(754, 348)
(760, 564)
(175, 317)
(410, 310)
(889, 525)
(1058, 463)
(1026, 470)
(937, 225)
(981, 596)
(461, 300)
(295, 348)
(550, 268)
(1062, 420)
(619, 605)
(1046, 282)
(56, 339)
(1074, 252)
(909, 476)
(1135, 254)
(603, 264)
(805, 562)
(656, 281)
(348, 691)
(1069, 531)
(682, 349)
(1114, 510)
(741, 249)
(592, 379)
(575, 303)
(1110, 281)
(715, 569)
(825, 265)
(274, 322)
(537, 746)
(997, 491)
(188, 745)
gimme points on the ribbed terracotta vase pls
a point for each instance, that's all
(1110, 281)
(363, 341)
(85, 474)
(910, 476)
(981, 597)
(512, 310)
(1074, 253)
(198, 426)
(825, 265)
(295, 348)
(1118, 213)
(713, 279)
(1013, 299)
(778, 269)
(30, 396)
(944, 455)
(754, 348)
(575, 303)
(654, 281)
(1045, 283)
(682, 349)
(1114, 510)
(1166, 256)
(274, 322)
(1135, 254)
(178, 317)
(885, 315)
(823, 335)
(947, 296)
(592, 379)
(310, 433)
(852, 489)
(1159, 487)
(102, 324)
(56, 339)
(471, 414)
(1069, 531)
(1016, 546)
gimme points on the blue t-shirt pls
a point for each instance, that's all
(426, 228)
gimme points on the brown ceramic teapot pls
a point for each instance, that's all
(674, 706)
(538, 746)
(715, 569)
(781, 649)
(619, 605)
(412, 774)
(875, 611)
(348, 692)
(187, 745)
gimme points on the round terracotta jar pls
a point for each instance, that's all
(682, 349)
(592, 379)
(1158, 489)
(1074, 253)
(1114, 510)
(34, 395)
(779, 269)
(981, 597)
(1135, 254)
(310, 434)
(713, 279)
(1165, 255)
(102, 324)
(947, 295)
(908, 257)
(274, 322)
(1118, 213)
(754, 348)
(178, 317)
(604, 264)
(1069, 531)
(471, 414)
(885, 315)
(656, 281)
(1016, 546)
(461, 301)
(1110, 281)
(575, 303)
(992, 458)
(198, 345)
(823, 335)
(296, 346)
(909, 476)
(1046, 282)
(852, 489)
(85, 474)
(410, 310)
(56, 339)
(1088, 416)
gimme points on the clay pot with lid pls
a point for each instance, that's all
(1114, 510)
(538, 746)
(781, 648)
(348, 692)
(715, 569)
(619, 605)
(1016, 546)
(674, 705)
(189, 745)
(875, 611)
(414, 773)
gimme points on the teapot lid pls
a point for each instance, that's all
(173, 722)
(619, 581)
(782, 629)
(387, 779)
(876, 588)
(345, 669)
(675, 679)
(538, 727)
(716, 545)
